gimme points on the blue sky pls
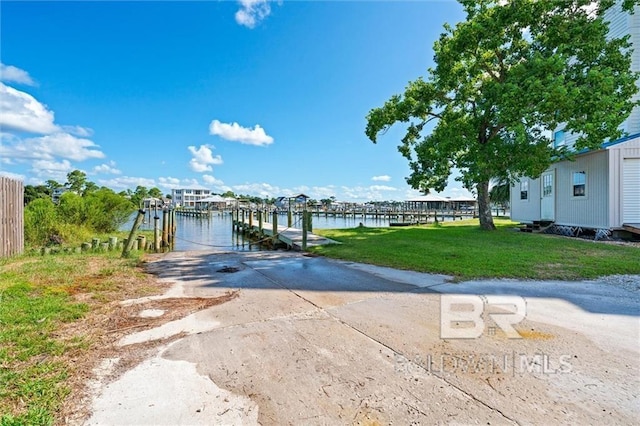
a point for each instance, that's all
(261, 98)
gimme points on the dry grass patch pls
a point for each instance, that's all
(60, 316)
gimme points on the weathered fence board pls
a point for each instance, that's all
(11, 217)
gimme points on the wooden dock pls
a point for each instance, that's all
(194, 213)
(252, 224)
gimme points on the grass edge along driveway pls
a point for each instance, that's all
(465, 251)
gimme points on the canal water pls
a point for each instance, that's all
(215, 231)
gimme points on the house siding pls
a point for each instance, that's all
(617, 154)
(590, 211)
(526, 210)
(620, 24)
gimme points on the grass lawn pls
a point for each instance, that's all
(43, 303)
(463, 250)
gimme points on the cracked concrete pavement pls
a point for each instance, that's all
(315, 341)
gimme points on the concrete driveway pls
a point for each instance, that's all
(320, 342)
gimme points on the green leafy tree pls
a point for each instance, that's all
(107, 211)
(32, 192)
(228, 194)
(499, 193)
(139, 194)
(503, 78)
(76, 181)
(52, 184)
(89, 187)
(155, 193)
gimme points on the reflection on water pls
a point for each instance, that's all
(215, 231)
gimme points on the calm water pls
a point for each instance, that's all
(194, 233)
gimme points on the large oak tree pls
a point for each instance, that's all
(505, 77)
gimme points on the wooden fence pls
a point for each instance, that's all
(11, 217)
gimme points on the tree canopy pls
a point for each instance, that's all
(504, 78)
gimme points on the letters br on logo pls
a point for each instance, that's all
(463, 316)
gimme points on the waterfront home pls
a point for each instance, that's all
(188, 197)
(600, 190)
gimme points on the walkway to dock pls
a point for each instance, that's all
(292, 237)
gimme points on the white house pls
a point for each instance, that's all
(188, 197)
(601, 188)
(57, 193)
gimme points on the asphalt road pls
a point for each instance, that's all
(319, 342)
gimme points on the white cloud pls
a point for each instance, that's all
(21, 111)
(252, 12)
(169, 182)
(237, 133)
(367, 193)
(50, 169)
(174, 183)
(203, 159)
(11, 175)
(107, 169)
(83, 132)
(382, 188)
(61, 145)
(320, 192)
(13, 74)
(210, 180)
(381, 178)
(127, 182)
(261, 190)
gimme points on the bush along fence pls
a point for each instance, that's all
(162, 240)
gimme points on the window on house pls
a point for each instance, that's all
(524, 190)
(558, 138)
(579, 184)
(547, 185)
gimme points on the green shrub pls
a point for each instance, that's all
(72, 209)
(40, 218)
(76, 218)
(106, 210)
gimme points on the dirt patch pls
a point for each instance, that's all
(96, 335)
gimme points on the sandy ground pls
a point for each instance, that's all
(313, 341)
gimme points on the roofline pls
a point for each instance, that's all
(621, 140)
(607, 145)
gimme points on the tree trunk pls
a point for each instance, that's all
(484, 207)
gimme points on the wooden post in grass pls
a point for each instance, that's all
(136, 224)
(260, 223)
